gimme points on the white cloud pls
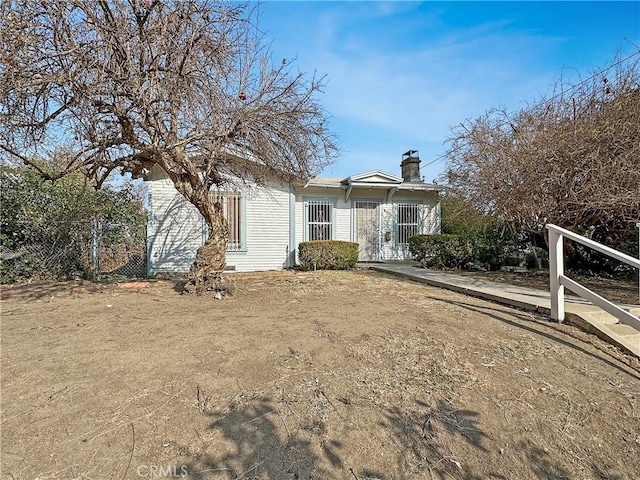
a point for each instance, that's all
(422, 92)
(400, 74)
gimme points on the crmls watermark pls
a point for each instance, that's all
(162, 471)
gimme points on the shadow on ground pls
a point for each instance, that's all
(261, 440)
(542, 329)
(256, 443)
(40, 291)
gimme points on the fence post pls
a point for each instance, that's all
(95, 250)
(556, 268)
(638, 225)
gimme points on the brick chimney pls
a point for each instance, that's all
(411, 167)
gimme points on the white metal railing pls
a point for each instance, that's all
(558, 280)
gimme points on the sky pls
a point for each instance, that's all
(399, 75)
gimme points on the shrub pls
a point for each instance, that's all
(46, 227)
(585, 260)
(490, 246)
(440, 251)
(328, 255)
(489, 237)
(537, 258)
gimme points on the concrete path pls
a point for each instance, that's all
(578, 310)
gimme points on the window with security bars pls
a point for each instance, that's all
(231, 206)
(408, 221)
(319, 220)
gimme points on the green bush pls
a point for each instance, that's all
(441, 251)
(587, 261)
(537, 258)
(489, 237)
(46, 227)
(490, 246)
(328, 255)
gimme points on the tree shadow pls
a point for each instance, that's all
(171, 244)
(178, 285)
(257, 443)
(421, 431)
(538, 329)
(253, 441)
(541, 463)
(597, 472)
(44, 290)
(260, 438)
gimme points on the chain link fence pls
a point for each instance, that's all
(93, 250)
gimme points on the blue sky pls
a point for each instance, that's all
(400, 74)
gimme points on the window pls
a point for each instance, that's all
(232, 208)
(319, 220)
(408, 221)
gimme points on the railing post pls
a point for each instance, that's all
(556, 268)
(638, 225)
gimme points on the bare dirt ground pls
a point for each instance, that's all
(326, 375)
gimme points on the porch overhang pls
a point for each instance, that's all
(382, 182)
(376, 179)
(350, 185)
(390, 189)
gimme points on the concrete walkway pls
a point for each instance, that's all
(578, 311)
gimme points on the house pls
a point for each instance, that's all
(378, 210)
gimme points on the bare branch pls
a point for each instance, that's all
(186, 85)
(571, 159)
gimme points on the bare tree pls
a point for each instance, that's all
(572, 159)
(185, 85)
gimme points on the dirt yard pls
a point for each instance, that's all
(327, 375)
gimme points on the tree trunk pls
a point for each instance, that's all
(205, 274)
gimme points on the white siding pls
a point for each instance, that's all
(267, 227)
(344, 229)
(341, 212)
(176, 229)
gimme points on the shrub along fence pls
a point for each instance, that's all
(475, 251)
(92, 249)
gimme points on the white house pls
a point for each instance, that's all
(378, 210)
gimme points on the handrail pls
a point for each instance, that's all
(558, 280)
(623, 257)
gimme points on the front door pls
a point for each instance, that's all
(368, 230)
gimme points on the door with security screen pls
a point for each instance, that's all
(367, 230)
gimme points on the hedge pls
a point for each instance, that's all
(328, 255)
(441, 251)
(47, 230)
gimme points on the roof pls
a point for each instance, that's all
(375, 179)
(375, 176)
(324, 182)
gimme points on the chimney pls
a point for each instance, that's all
(411, 167)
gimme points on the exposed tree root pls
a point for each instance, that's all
(205, 274)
